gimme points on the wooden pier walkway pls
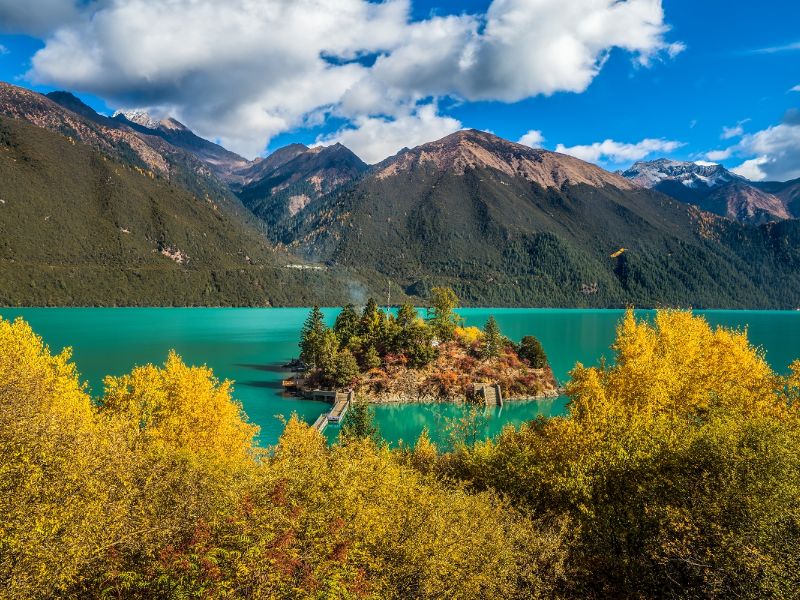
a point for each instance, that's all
(341, 402)
(321, 422)
(340, 405)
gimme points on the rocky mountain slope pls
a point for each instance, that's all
(787, 192)
(711, 187)
(222, 162)
(84, 220)
(129, 210)
(285, 182)
(506, 224)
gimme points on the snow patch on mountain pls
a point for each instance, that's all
(691, 174)
(140, 117)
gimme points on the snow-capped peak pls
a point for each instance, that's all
(691, 174)
(140, 117)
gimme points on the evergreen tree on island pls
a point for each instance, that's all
(530, 349)
(444, 319)
(312, 337)
(359, 424)
(492, 339)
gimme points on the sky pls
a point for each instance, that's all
(608, 81)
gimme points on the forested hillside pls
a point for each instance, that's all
(503, 224)
(78, 227)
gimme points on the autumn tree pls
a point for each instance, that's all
(654, 470)
(62, 476)
(181, 407)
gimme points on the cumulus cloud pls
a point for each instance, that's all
(751, 169)
(776, 150)
(242, 71)
(3, 50)
(717, 155)
(533, 138)
(619, 152)
(770, 154)
(735, 131)
(795, 88)
(375, 138)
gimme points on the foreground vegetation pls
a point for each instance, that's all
(677, 475)
(404, 357)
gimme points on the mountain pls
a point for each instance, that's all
(505, 224)
(223, 162)
(150, 153)
(262, 167)
(787, 191)
(282, 184)
(95, 215)
(711, 187)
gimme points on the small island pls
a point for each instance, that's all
(382, 357)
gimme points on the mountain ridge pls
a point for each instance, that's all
(711, 187)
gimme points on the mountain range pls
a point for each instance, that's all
(715, 189)
(135, 210)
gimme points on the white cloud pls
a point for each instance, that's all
(795, 88)
(770, 154)
(735, 131)
(243, 71)
(619, 152)
(776, 150)
(375, 138)
(751, 169)
(731, 132)
(533, 138)
(776, 49)
(717, 155)
(3, 50)
(705, 163)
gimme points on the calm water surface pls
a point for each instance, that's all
(248, 345)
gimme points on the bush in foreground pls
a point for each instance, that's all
(677, 475)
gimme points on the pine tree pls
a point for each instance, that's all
(444, 319)
(371, 358)
(359, 423)
(311, 337)
(492, 339)
(530, 349)
(345, 368)
(346, 326)
(370, 321)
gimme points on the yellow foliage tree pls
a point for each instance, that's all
(678, 366)
(60, 482)
(182, 408)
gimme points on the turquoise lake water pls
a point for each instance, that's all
(248, 345)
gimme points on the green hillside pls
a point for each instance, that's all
(505, 240)
(80, 228)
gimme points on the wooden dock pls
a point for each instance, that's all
(321, 423)
(341, 403)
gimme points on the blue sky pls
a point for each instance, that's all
(736, 67)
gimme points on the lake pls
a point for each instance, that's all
(248, 345)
